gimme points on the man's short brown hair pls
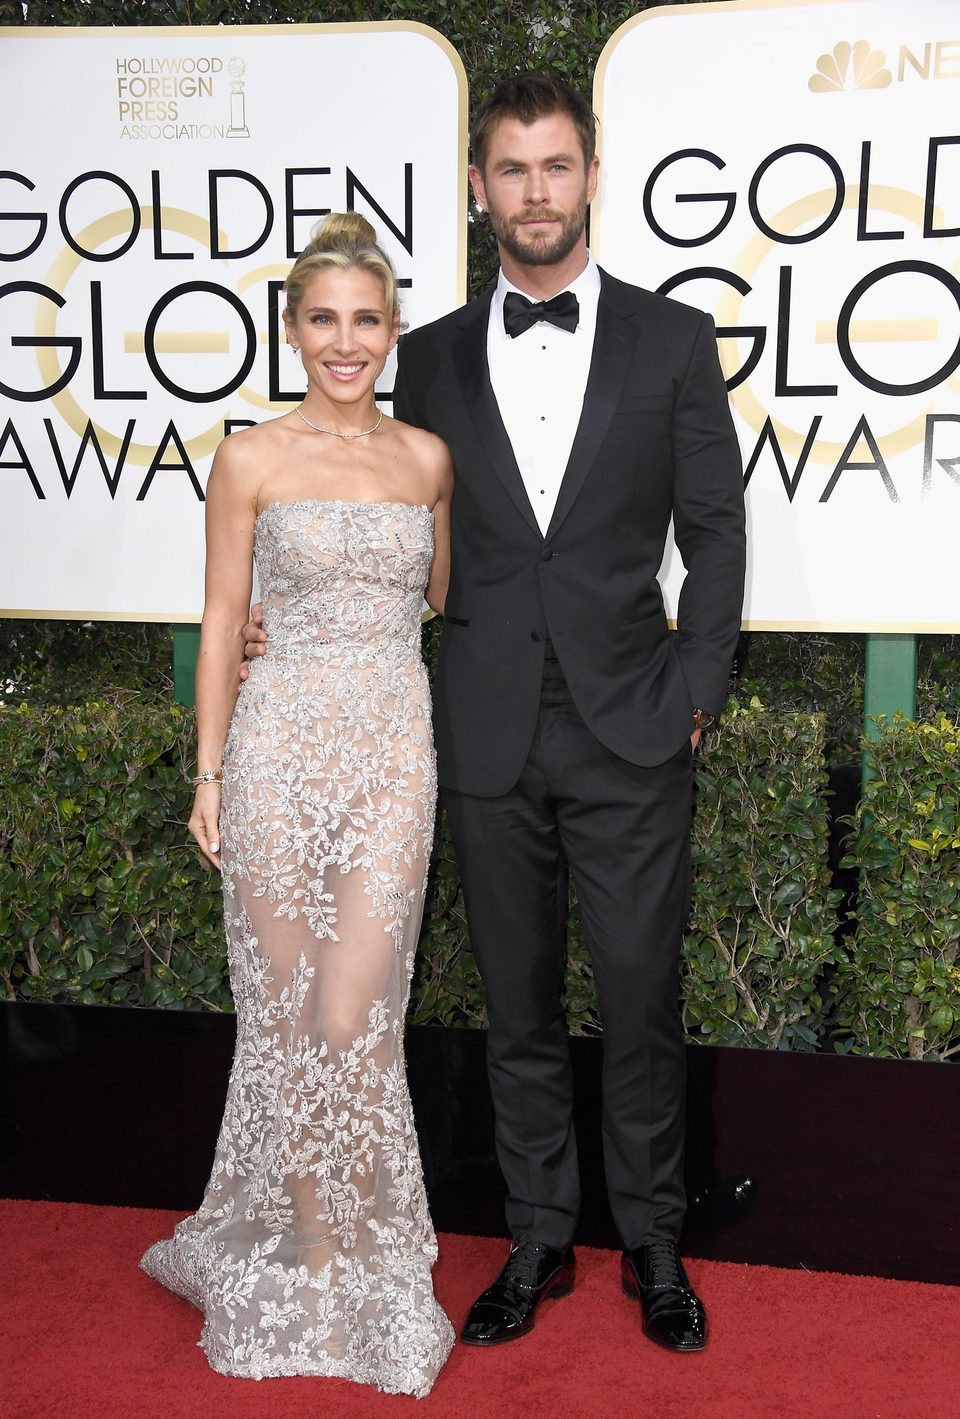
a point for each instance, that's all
(527, 97)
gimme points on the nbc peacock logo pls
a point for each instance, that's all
(850, 66)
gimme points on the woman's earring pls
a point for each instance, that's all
(294, 348)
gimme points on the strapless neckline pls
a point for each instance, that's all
(341, 502)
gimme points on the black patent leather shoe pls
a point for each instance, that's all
(507, 1309)
(673, 1314)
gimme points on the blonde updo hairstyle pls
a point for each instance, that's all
(343, 240)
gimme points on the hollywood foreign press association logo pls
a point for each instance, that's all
(850, 66)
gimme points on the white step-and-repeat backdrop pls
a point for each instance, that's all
(794, 169)
(158, 184)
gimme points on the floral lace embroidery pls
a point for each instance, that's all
(311, 1253)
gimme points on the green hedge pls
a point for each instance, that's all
(106, 900)
(75, 662)
(764, 921)
(103, 899)
(898, 992)
(66, 662)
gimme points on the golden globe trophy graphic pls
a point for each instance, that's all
(238, 116)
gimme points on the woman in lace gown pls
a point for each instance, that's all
(311, 1253)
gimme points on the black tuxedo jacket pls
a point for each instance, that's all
(655, 440)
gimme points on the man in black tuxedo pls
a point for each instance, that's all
(582, 414)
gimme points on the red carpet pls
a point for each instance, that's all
(85, 1335)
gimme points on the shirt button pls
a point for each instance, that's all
(536, 636)
(543, 418)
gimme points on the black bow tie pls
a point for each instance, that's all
(519, 313)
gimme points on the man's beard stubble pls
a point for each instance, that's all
(537, 250)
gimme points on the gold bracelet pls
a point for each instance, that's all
(210, 776)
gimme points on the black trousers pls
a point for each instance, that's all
(624, 833)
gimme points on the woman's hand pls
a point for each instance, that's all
(204, 821)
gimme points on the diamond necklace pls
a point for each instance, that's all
(336, 432)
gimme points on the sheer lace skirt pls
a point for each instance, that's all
(311, 1253)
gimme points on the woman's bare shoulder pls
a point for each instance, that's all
(245, 457)
(428, 460)
(255, 441)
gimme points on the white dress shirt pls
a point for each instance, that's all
(539, 379)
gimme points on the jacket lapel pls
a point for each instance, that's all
(470, 362)
(613, 346)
